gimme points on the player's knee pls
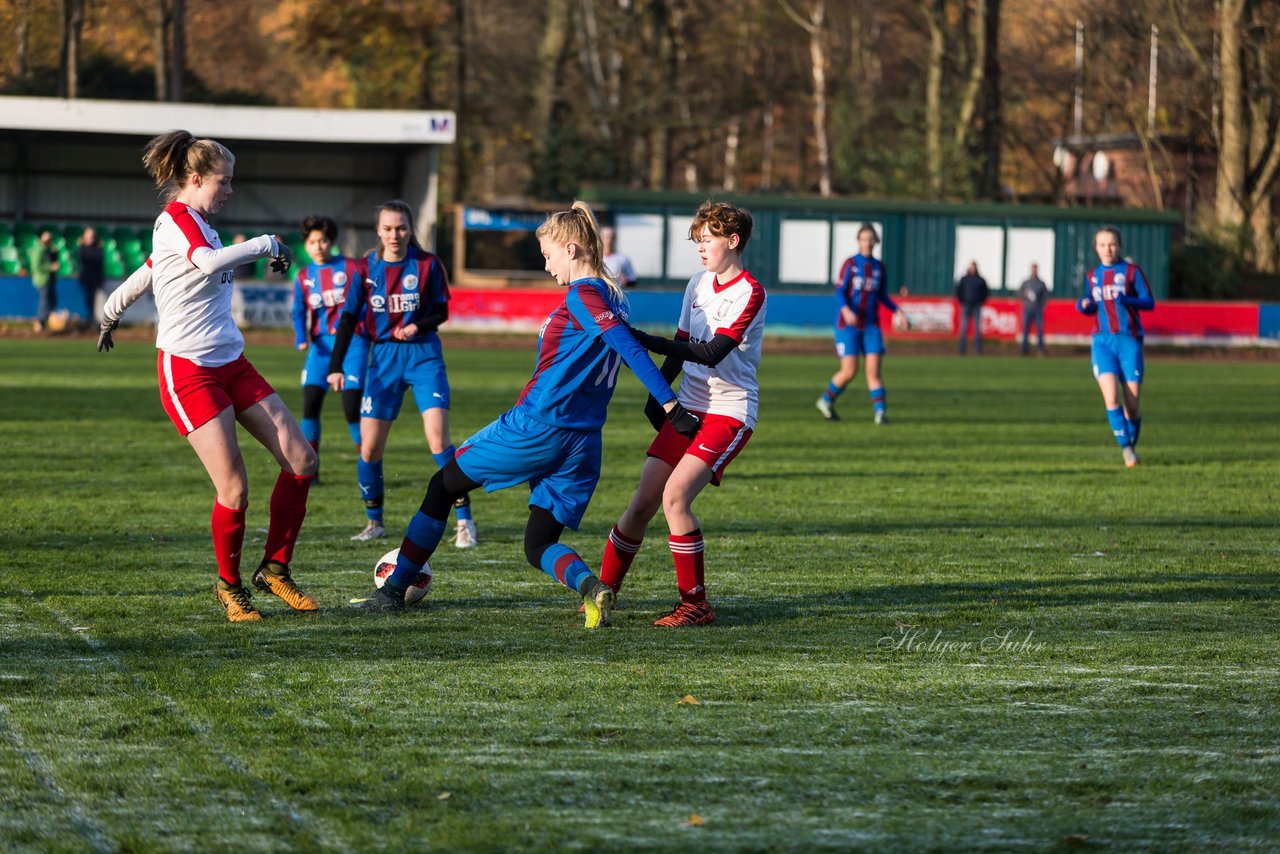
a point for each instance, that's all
(674, 502)
(304, 460)
(234, 494)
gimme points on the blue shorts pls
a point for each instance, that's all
(354, 366)
(1118, 354)
(852, 341)
(561, 466)
(395, 367)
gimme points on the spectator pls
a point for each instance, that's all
(616, 262)
(43, 264)
(971, 293)
(1034, 293)
(89, 253)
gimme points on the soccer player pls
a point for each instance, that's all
(551, 438)
(1116, 290)
(401, 302)
(206, 383)
(319, 292)
(718, 346)
(860, 293)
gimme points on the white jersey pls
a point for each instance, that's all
(192, 278)
(736, 309)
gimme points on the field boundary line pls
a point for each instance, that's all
(299, 817)
(93, 831)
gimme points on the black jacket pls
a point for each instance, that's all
(972, 290)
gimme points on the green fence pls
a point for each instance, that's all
(798, 243)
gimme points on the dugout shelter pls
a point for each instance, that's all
(66, 164)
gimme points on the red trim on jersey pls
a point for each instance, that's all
(738, 328)
(549, 348)
(185, 219)
(846, 289)
(682, 335)
(715, 283)
(1108, 306)
(1131, 289)
(601, 312)
(863, 296)
(148, 260)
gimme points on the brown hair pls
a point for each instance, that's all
(722, 219)
(866, 226)
(402, 208)
(322, 224)
(172, 158)
(579, 226)
(1110, 229)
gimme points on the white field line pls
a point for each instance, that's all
(298, 817)
(89, 827)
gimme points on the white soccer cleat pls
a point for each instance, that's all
(882, 417)
(372, 531)
(827, 409)
(1130, 456)
(464, 534)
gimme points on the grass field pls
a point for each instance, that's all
(971, 629)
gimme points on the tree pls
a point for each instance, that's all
(169, 35)
(814, 24)
(69, 54)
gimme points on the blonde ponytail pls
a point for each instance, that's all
(579, 225)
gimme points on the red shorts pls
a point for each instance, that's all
(194, 395)
(718, 441)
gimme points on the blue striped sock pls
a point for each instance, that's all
(1118, 429)
(419, 543)
(563, 564)
(369, 475)
(311, 429)
(833, 391)
(877, 399)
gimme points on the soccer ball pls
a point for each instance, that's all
(387, 565)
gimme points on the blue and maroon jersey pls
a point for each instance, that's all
(319, 292)
(1119, 317)
(394, 294)
(862, 288)
(576, 371)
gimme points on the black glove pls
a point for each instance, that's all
(104, 335)
(282, 262)
(653, 411)
(686, 423)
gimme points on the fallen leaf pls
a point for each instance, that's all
(903, 625)
(444, 796)
(1077, 839)
(695, 820)
(689, 700)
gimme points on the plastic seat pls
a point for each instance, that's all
(112, 265)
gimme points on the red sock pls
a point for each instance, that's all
(686, 551)
(228, 539)
(288, 509)
(619, 552)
